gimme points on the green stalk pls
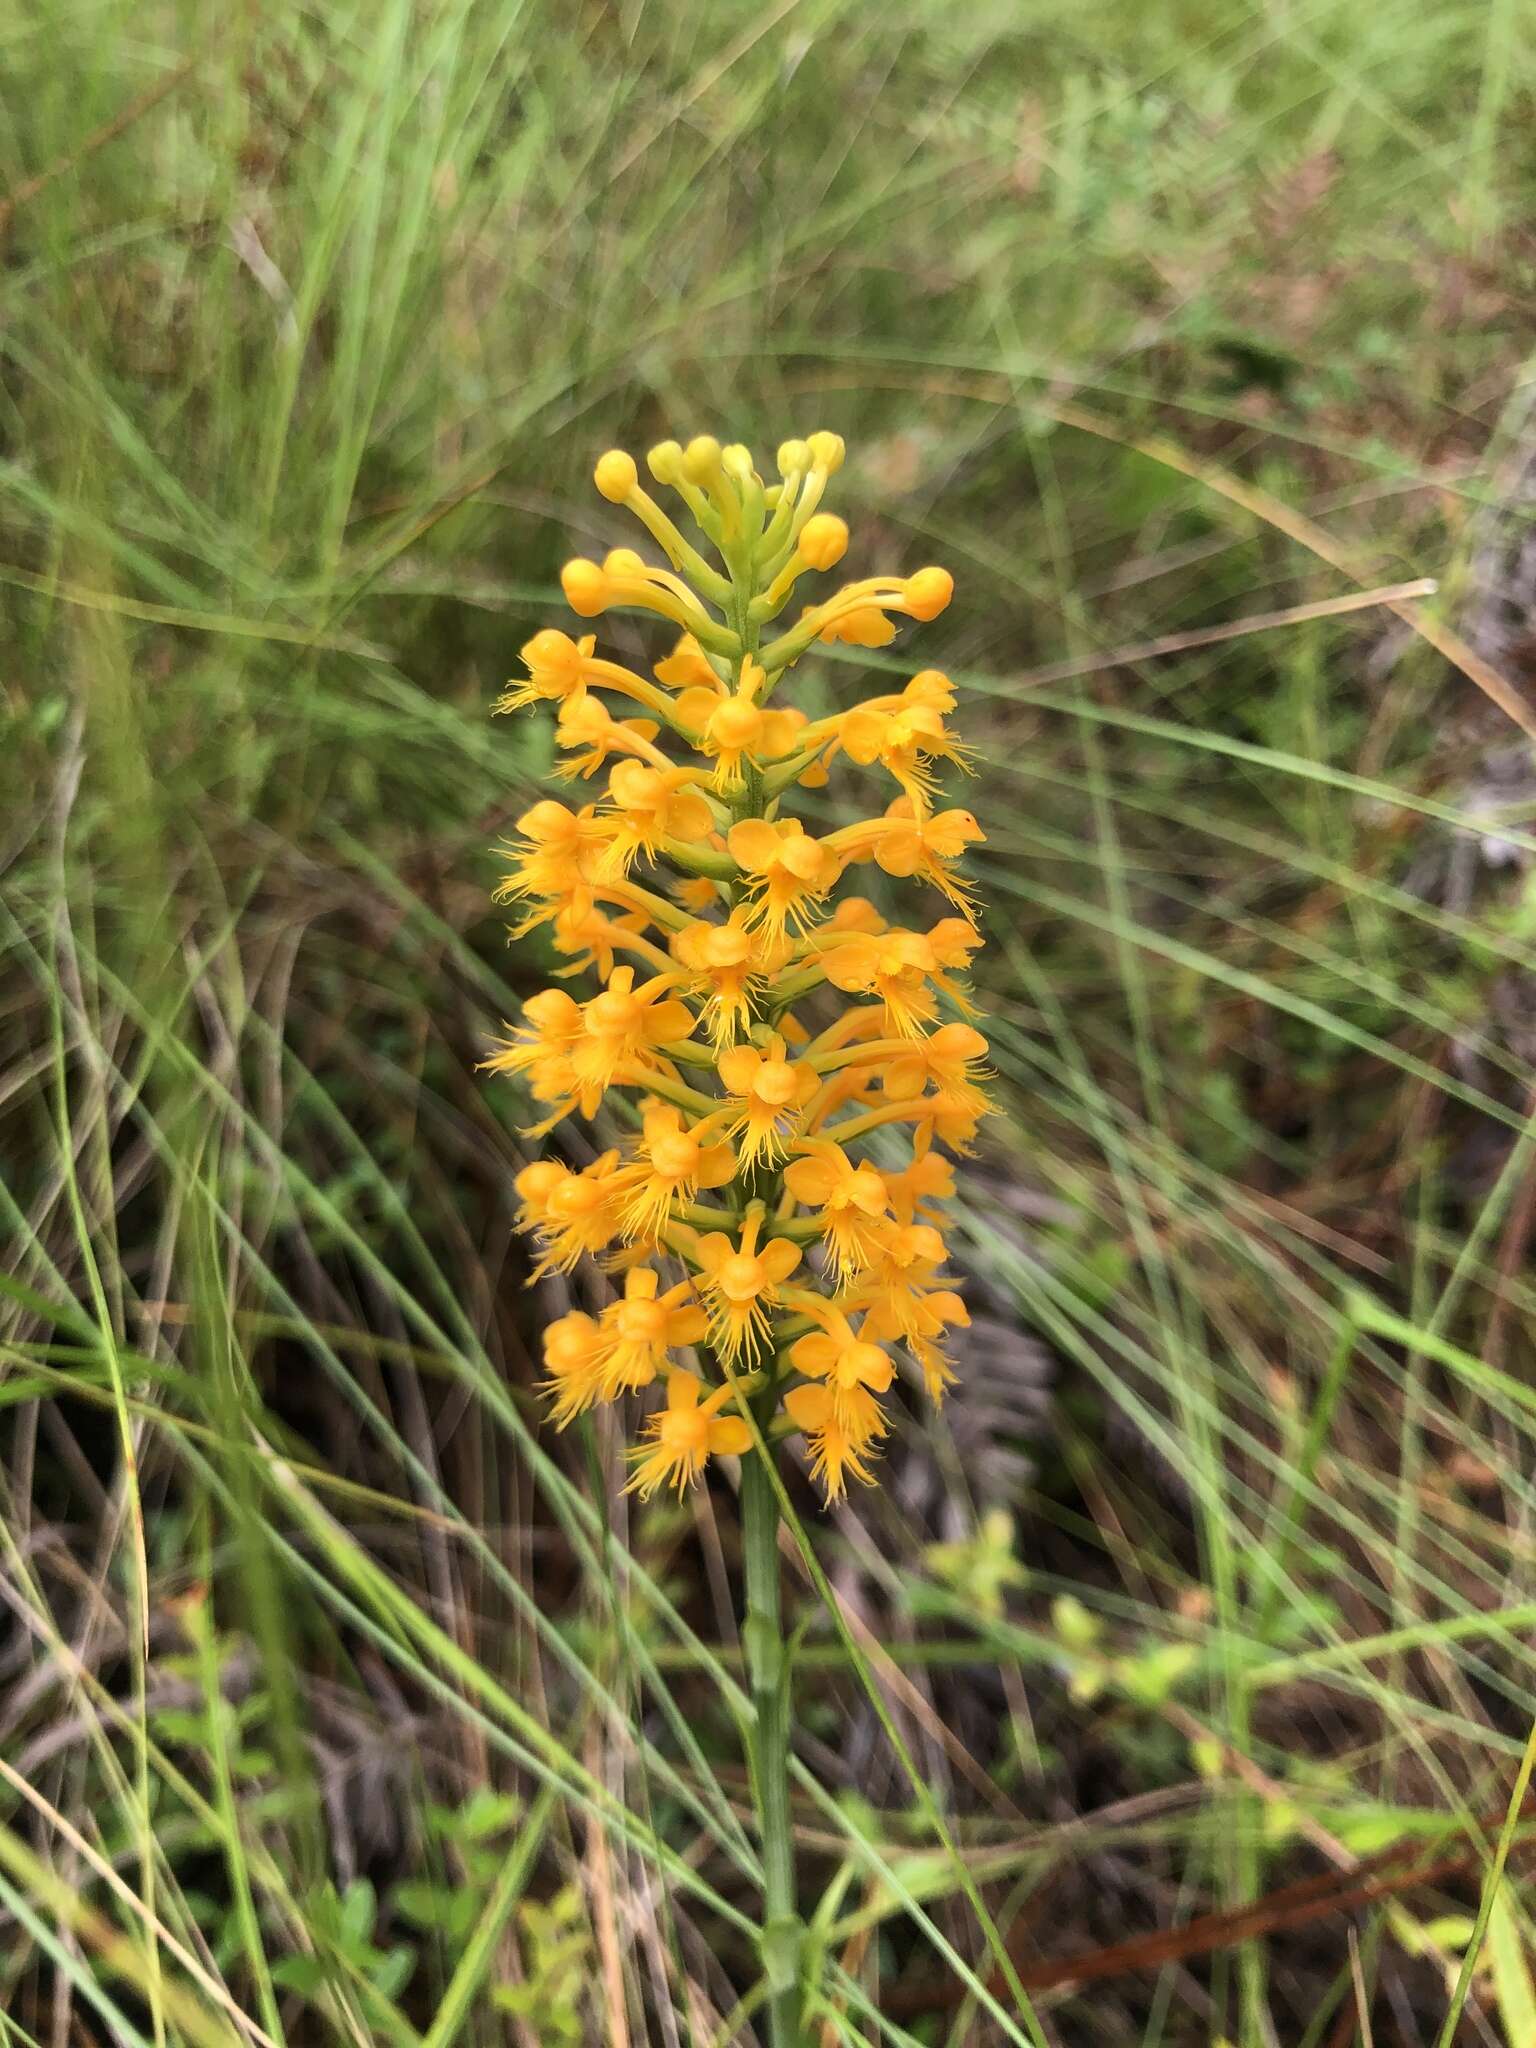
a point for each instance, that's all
(768, 1750)
(768, 1663)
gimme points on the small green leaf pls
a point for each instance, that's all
(1074, 1625)
(1151, 1679)
(391, 1975)
(424, 1904)
(304, 1974)
(489, 1813)
(359, 1910)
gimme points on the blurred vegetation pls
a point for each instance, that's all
(338, 1702)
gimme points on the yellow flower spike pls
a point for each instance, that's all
(764, 1029)
(682, 1437)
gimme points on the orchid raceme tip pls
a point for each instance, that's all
(774, 1030)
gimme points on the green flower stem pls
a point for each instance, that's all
(780, 1943)
(768, 1666)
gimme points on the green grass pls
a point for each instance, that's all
(340, 1702)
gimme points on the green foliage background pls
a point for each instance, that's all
(341, 1704)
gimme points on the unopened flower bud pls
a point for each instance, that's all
(701, 458)
(823, 540)
(585, 587)
(615, 476)
(928, 592)
(665, 462)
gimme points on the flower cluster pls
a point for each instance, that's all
(758, 1027)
